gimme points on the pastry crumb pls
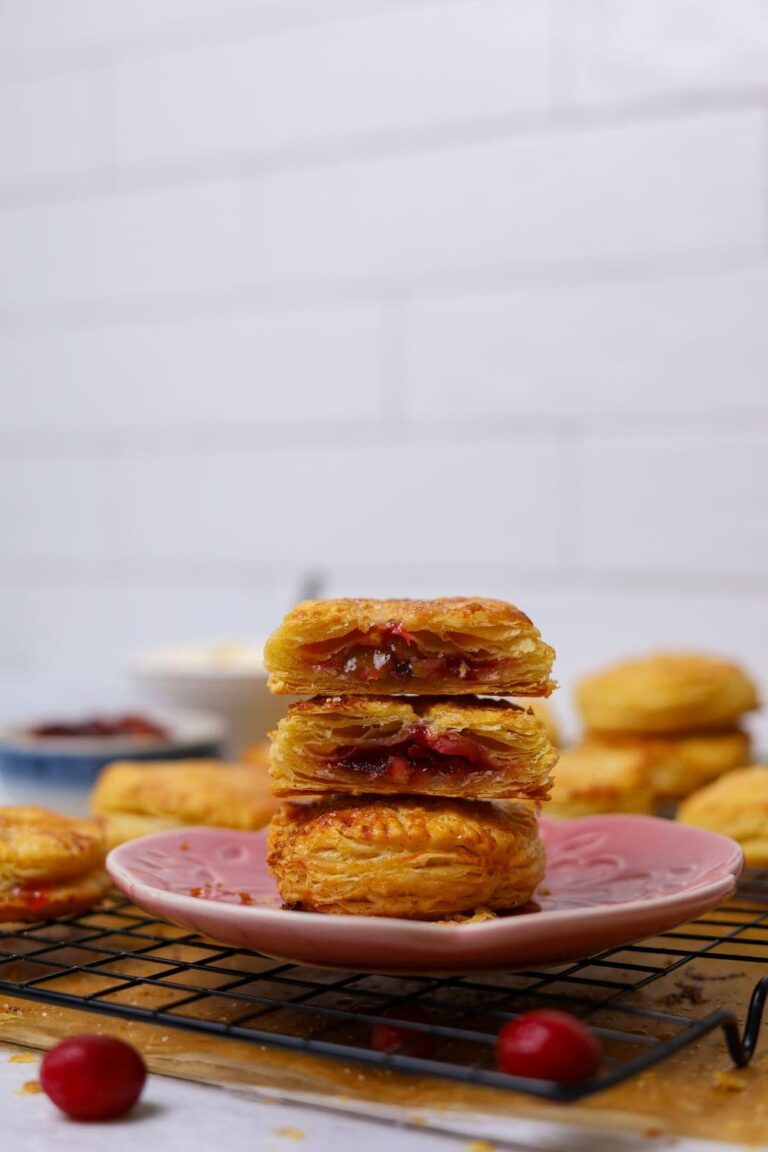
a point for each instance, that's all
(23, 1058)
(730, 1081)
(476, 917)
(291, 1133)
(480, 1146)
(29, 1088)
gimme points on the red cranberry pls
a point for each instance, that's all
(93, 1077)
(548, 1045)
(393, 1036)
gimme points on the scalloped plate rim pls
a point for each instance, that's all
(443, 937)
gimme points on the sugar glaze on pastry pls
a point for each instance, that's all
(450, 646)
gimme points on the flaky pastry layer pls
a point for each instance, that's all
(419, 859)
(450, 646)
(481, 749)
(666, 692)
(735, 805)
(37, 844)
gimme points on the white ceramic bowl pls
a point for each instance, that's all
(227, 680)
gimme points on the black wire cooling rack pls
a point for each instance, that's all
(645, 1001)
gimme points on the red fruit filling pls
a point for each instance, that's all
(391, 651)
(130, 725)
(420, 754)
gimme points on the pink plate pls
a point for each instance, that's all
(610, 880)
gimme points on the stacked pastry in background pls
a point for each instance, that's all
(392, 766)
(680, 711)
(50, 864)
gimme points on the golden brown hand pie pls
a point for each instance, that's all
(666, 692)
(137, 797)
(450, 646)
(679, 764)
(426, 746)
(44, 900)
(419, 859)
(591, 779)
(737, 806)
(37, 844)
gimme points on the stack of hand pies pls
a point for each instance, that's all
(680, 711)
(393, 767)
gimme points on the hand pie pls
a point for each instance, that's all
(666, 692)
(680, 764)
(453, 646)
(38, 844)
(737, 806)
(418, 859)
(50, 864)
(591, 779)
(136, 798)
(483, 749)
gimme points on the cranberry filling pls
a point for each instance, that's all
(391, 651)
(418, 754)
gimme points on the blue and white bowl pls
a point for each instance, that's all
(59, 771)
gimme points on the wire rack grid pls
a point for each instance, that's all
(644, 1000)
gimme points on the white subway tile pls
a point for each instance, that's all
(29, 28)
(675, 504)
(55, 125)
(57, 508)
(358, 501)
(691, 344)
(645, 190)
(628, 50)
(177, 240)
(406, 67)
(252, 367)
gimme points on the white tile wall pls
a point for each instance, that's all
(319, 507)
(634, 191)
(55, 125)
(424, 296)
(627, 50)
(384, 71)
(675, 504)
(624, 348)
(250, 367)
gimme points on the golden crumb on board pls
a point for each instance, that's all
(480, 1146)
(23, 1058)
(290, 1133)
(29, 1088)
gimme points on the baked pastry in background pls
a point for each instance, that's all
(451, 646)
(591, 779)
(421, 859)
(737, 806)
(422, 745)
(679, 764)
(50, 864)
(136, 797)
(666, 692)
